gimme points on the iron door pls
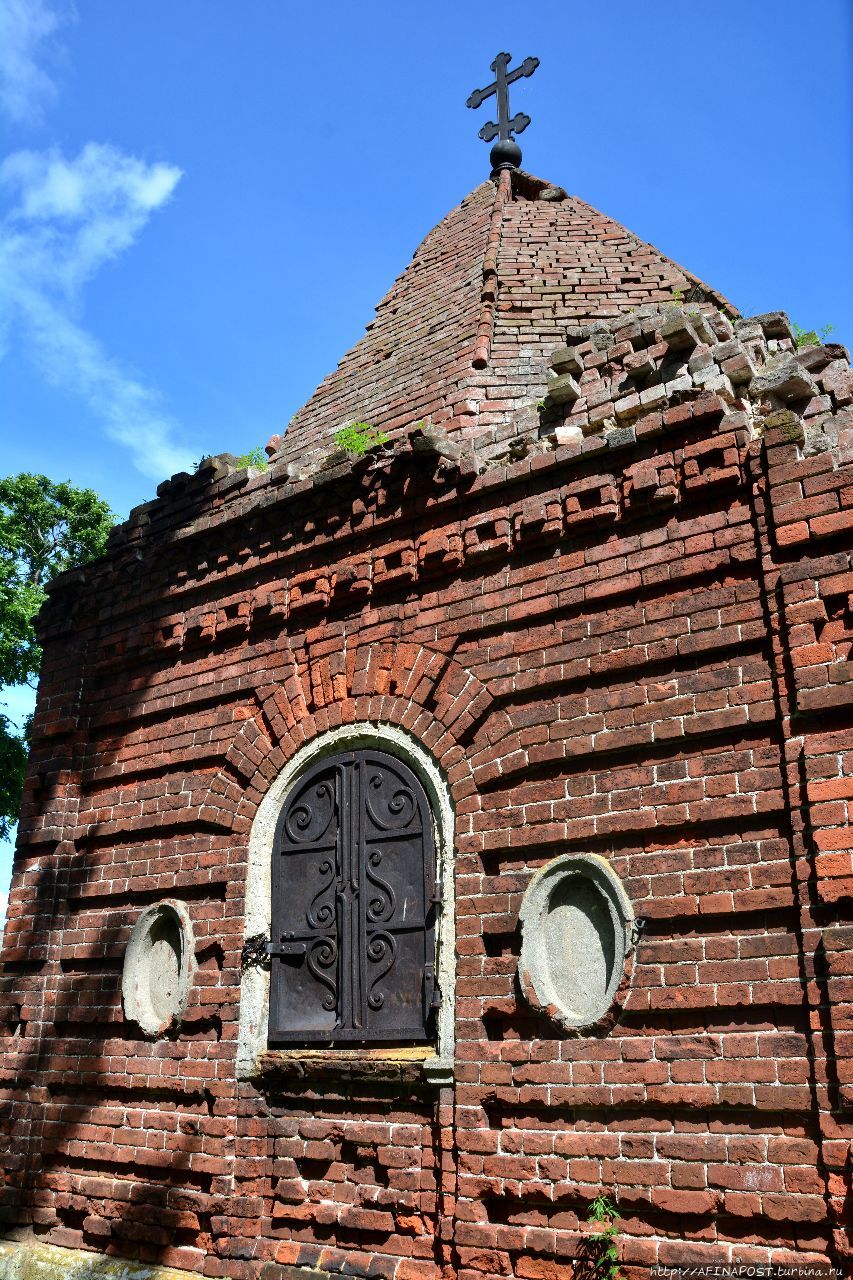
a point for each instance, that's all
(354, 894)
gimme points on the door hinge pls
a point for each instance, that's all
(432, 991)
(286, 948)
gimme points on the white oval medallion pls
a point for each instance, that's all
(576, 922)
(158, 968)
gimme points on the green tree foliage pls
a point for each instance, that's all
(13, 760)
(45, 528)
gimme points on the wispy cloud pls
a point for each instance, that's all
(64, 219)
(25, 88)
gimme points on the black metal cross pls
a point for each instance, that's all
(503, 156)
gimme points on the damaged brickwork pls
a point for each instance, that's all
(616, 613)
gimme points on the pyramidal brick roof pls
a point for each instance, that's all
(462, 338)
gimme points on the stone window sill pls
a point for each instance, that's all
(416, 1064)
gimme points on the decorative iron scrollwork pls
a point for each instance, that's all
(321, 960)
(321, 915)
(381, 907)
(381, 950)
(392, 812)
(310, 817)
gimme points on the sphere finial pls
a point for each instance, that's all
(505, 154)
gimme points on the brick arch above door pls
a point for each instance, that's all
(428, 694)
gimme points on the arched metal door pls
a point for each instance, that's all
(354, 896)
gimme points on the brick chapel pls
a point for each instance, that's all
(421, 843)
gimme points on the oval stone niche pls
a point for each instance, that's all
(576, 928)
(158, 968)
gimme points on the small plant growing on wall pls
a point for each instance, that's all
(360, 438)
(811, 337)
(254, 458)
(602, 1255)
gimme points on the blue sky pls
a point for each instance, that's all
(201, 202)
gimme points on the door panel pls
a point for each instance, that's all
(353, 886)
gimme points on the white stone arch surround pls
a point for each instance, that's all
(254, 984)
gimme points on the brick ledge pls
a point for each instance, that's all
(417, 1064)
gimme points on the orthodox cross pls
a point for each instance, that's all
(506, 153)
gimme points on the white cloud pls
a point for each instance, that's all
(66, 219)
(24, 87)
(102, 185)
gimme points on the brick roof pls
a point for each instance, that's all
(463, 336)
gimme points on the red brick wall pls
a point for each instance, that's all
(634, 644)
